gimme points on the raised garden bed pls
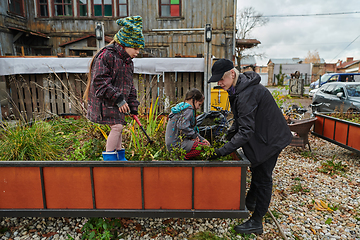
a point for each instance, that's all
(338, 131)
(196, 189)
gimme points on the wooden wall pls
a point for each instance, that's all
(42, 95)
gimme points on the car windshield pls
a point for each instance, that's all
(353, 90)
(324, 78)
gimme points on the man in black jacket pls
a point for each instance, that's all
(259, 128)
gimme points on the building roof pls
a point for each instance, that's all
(38, 34)
(107, 39)
(348, 64)
(290, 60)
(41, 65)
(247, 43)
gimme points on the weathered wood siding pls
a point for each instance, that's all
(194, 14)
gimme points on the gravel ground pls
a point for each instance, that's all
(298, 186)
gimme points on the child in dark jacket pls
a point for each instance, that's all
(181, 130)
(110, 90)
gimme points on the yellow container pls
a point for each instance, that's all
(219, 98)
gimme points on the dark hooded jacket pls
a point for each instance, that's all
(261, 129)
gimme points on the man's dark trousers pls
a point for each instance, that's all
(261, 186)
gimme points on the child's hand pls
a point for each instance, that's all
(124, 108)
(206, 142)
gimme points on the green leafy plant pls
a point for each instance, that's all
(276, 214)
(280, 76)
(101, 228)
(205, 236)
(279, 97)
(328, 221)
(331, 167)
(299, 188)
(309, 154)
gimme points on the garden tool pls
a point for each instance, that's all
(139, 123)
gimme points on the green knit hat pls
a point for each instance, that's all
(130, 35)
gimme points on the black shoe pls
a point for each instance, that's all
(250, 206)
(250, 226)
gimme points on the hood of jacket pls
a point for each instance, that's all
(179, 107)
(120, 50)
(245, 80)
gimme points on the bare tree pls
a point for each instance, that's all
(312, 57)
(247, 20)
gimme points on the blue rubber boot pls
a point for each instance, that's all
(121, 155)
(109, 156)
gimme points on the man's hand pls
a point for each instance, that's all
(215, 155)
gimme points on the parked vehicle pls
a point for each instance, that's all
(336, 77)
(337, 96)
(312, 92)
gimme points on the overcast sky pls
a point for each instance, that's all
(288, 37)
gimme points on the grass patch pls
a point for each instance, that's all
(331, 167)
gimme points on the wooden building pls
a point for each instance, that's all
(40, 27)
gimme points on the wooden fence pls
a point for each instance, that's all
(42, 95)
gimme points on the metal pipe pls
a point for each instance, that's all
(178, 29)
(234, 37)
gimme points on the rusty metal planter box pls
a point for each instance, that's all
(197, 189)
(341, 132)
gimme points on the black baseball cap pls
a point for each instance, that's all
(220, 67)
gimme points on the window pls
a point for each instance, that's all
(43, 8)
(123, 8)
(170, 8)
(333, 79)
(103, 8)
(83, 7)
(17, 7)
(330, 89)
(63, 8)
(338, 89)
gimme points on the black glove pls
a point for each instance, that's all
(120, 101)
(134, 112)
(215, 155)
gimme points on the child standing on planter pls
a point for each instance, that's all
(110, 90)
(181, 130)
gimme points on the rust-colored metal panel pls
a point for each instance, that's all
(354, 136)
(68, 187)
(217, 188)
(168, 187)
(341, 132)
(329, 125)
(318, 126)
(117, 187)
(20, 187)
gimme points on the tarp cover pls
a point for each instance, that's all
(11, 66)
